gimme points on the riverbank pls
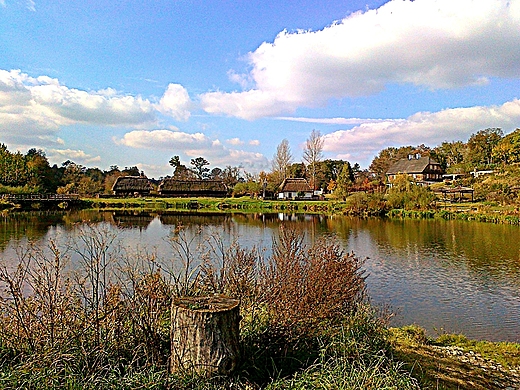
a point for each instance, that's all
(455, 362)
(479, 212)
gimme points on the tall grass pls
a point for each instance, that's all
(91, 313)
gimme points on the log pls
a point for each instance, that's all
(205, 335)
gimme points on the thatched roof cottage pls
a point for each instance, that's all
(192, 188)
(132, 186)
(293, 188)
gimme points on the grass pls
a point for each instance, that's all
(454, 362)
(107, 324)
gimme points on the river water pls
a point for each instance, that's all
(446, 276)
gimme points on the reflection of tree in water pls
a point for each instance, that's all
(489, 251)
(33, 225)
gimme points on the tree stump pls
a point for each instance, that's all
(205, 335)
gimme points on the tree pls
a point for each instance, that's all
(199, 167)
(344, 182)
(449, 154)
(313, 153)
(281, 161)
(480, 146)
(508, 148)
(180, 171)
(386, 157)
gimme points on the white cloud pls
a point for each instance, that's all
(365, 140)
(235, 141)
(193, 145)
(176, 102)
(254, 142)
(430, 43)
(32, 108)
(77, 156)
(162, 139)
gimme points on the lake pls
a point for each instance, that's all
(446, 276)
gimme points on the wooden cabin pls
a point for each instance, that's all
(295, 188)
(192, 188)
(132, 186)
(423, 169)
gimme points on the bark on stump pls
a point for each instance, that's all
(205, 335)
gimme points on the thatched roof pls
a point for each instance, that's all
(412, 165)
(185, 186)
(295, 185)
(132, 184)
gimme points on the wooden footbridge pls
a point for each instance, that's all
(42, 201)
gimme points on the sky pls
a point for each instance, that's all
(135, 82)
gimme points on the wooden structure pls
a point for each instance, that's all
(456, 194)
(205, 335)
(132, 186)
(192, 188)
(295, 188)
(423, 169)
(43, 201)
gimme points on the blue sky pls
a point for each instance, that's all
(135, 82)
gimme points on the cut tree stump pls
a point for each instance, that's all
(205, 335)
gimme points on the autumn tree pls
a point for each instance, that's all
(480, 147)
(449, 154)
(507, 150)
(312, 154)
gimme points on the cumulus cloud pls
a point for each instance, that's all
(193, 145)
(235, 141)
(77, 156)
(32, 108)
(176, 102)
(431, 128)
(254, 142)
(429, 43)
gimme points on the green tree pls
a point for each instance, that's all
(199, 167)
(405, 193)
(507, 150)
(386, 157)
(344, 182)
(480, 147)
(180, 171)
(450, 155)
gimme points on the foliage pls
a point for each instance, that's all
(480, 147)
(507, 150)
(199, 167)
(405, 193)
(344, 182)
(251, 188)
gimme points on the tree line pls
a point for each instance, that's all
(485, 149)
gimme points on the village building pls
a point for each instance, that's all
(192, 188)
(425, 170)
(132, 186)
(295, 188)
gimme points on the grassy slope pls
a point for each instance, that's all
(454, 362)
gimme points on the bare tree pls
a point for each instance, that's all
(313, 154)
(281, 160)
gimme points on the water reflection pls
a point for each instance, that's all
(443, 275)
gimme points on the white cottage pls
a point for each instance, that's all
(295, 188)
